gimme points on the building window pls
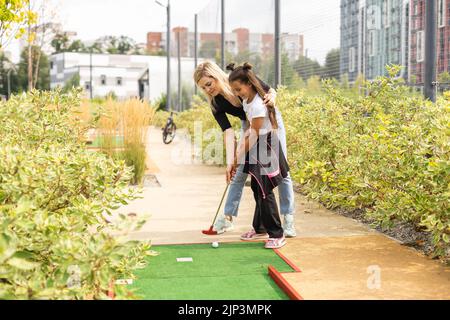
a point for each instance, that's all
(420, 46)
(119, 81)
(103, 80)
(51, 64)
(87, 85)
(372, 50)
(441, 13)
(386, 13)
(351, 59)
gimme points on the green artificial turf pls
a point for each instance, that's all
(117, 142)
(232, 271)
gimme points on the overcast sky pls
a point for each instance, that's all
(91, 19)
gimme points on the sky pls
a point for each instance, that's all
(91, 19)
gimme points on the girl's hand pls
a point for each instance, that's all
(269, 98)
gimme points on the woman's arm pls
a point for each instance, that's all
(248, 142)
(271, 94)
(230, 149)
(270, 97)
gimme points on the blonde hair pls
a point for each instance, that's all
(212, 70)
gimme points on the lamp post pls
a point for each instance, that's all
(8, 75)
(90, 73)
(277, 45)
(168, 51)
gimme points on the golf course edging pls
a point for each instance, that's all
(283, 284)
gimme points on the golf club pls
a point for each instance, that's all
(210, 231)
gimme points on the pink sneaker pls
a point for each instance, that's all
(275, 243)
(252, 235)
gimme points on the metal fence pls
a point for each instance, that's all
(345, 40)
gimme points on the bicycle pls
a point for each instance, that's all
(169, 130)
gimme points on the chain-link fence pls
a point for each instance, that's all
(345, 40)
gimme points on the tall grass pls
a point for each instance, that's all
(121, 130)
(135, 117)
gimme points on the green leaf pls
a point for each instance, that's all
(22, 264)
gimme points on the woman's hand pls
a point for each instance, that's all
(231, 171)
(269, 98)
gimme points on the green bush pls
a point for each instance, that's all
(387, 152)
(134, 156)
(160, 118)
(211, 133)
(55, 242)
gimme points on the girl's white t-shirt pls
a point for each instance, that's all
(257, 109)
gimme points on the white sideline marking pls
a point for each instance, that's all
(185, 260)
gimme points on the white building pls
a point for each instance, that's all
(127, 76)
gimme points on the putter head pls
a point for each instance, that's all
(210, 232)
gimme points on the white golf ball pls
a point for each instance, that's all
(215, 244)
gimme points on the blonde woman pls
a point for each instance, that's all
(214, 82)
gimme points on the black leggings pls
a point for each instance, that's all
(266, 217)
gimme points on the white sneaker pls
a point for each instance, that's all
(223, 225)
(275, 243)
(289, 226)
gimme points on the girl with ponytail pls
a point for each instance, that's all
(262, 154)
(213, 81)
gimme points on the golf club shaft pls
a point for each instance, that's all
(218, 209)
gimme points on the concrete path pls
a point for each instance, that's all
(339, 258)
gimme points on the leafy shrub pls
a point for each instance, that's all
(210, 136)
(387, 152)
(55, 242)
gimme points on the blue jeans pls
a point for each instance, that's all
(285, 189)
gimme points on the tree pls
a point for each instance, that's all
(95, 48)
(228, 57)
(13, 16)
(332, 63)
(344, 81)
(77, 46)
(125, 45)
(60, 42)
(7, 67)
(208, 49)
(289, 77)
(253, 58)
(313, 85)
(73, 82)
(444, 77)
(43, 79)
(40, 35)
(306, 68)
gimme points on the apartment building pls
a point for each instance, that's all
(237, 41)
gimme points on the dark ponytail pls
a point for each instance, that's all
(231, 66)
(245, 74)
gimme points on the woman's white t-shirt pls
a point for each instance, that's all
(257, 109)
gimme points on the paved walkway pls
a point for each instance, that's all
(339, 258)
